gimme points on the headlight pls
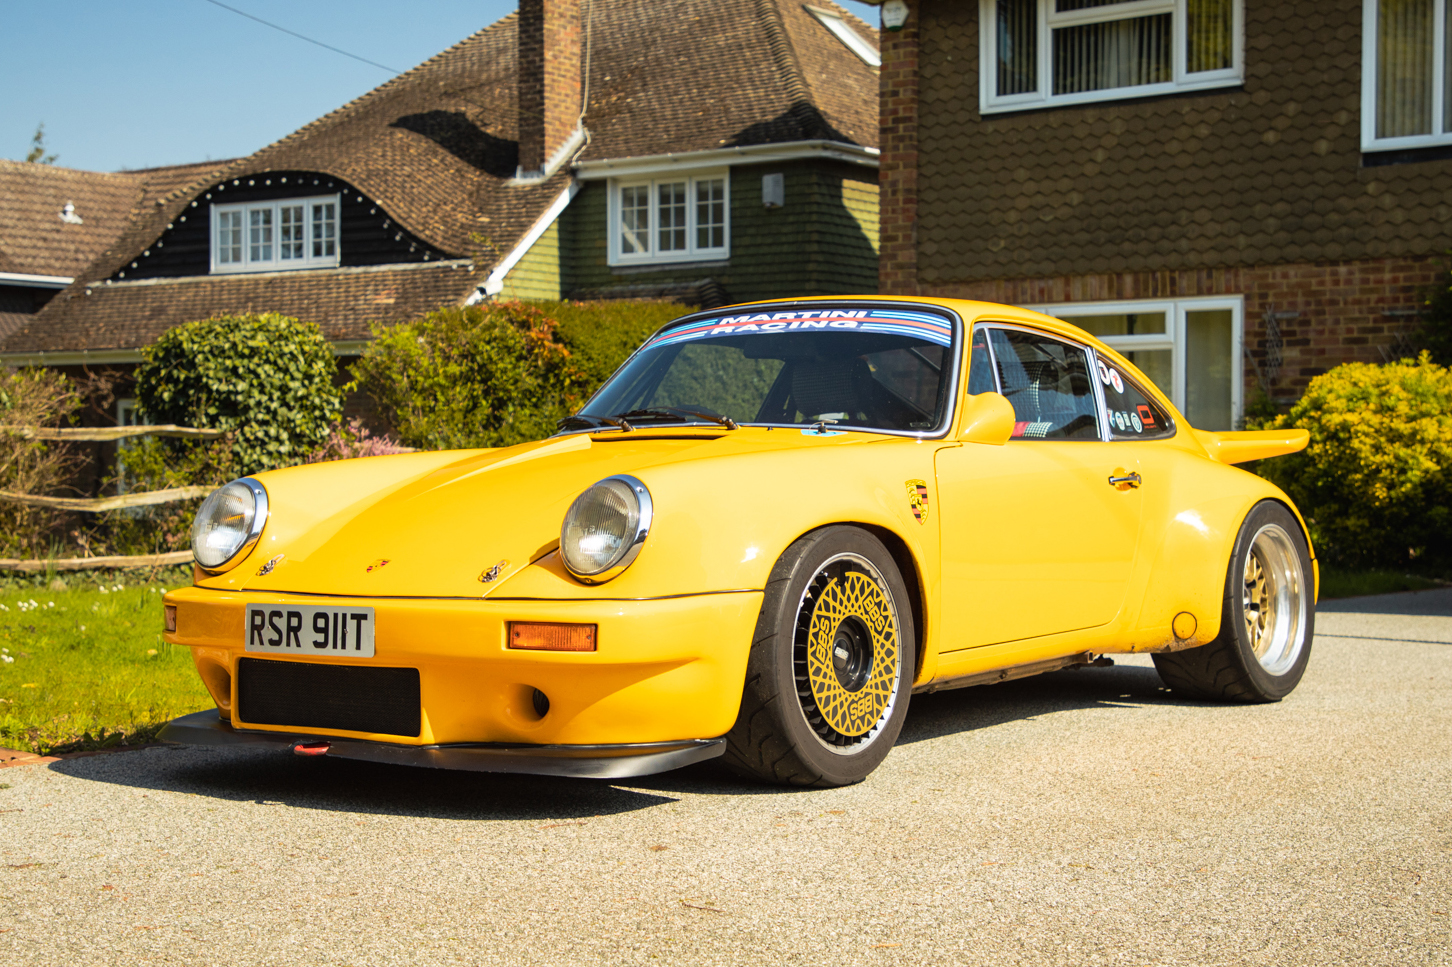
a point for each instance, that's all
(228, 524)
(604, 529)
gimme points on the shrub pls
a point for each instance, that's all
(353, 440)
(267, 378)
(602, 335)
(33, 397)
(1436, 329)
(1376, 481)
(151, 463)
(475, 376)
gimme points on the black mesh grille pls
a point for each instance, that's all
(348, 697)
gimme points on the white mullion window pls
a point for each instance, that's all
(1046, 53)
(1189, 348)
(1406, 83)
(266, 236)
(674, 218)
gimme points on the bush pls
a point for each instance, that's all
(354, 440)
(1376, 481)
(151, 463)
(267, 378)
(33, 397)
(476, 376)
(1436, 331)
(602, 335)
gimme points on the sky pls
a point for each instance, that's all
(136, 85)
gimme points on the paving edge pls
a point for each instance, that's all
(15, 757)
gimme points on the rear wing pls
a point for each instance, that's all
(1245, 445)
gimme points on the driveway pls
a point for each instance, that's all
(1087, 817)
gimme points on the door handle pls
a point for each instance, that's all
(1124, 481)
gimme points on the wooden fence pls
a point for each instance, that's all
(96, 505)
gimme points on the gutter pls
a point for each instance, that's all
(495, 283)
(35, 281)
(746, 154)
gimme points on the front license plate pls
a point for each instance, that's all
(302, 629)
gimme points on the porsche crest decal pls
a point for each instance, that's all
(266, 569)
(493, 573)
(917, 491)
(375, 565)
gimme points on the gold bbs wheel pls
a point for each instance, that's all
(847, 652)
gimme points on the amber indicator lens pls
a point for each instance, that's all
(170, 617)
(549, 636)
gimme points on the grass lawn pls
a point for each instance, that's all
(1350, 584)
(85, 667)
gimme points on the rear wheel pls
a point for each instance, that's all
(1267, 618)
(831, 666)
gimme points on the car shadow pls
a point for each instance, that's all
(269, 777)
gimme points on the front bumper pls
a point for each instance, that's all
(577, 761)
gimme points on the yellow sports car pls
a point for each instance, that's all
(771, 527)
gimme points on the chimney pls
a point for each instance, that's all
(549, 84)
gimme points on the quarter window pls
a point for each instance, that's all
(1406, 80)
(676, 219)
(271, 235)
(1048, 383)
(1041, 53)
(1190, 349)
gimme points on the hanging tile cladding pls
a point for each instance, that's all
(537, 274)
(341, 301)
(368, 235)
(823, 241)
(1265, 173)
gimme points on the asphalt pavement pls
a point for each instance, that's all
(1087, 817)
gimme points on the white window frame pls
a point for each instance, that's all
(691, 253)
(1173, 338)
(1369, 140)
(991, 103)
(276, 263)
(844, 32)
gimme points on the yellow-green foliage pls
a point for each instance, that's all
(86, 667)
(1376, 481)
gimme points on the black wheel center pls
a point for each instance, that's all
(852, 654)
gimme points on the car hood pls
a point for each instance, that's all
(448, 520)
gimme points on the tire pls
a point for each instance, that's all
(1267, 618)
(831, 666)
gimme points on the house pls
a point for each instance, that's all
(56, 221)
(698, 150)
(1239, 194)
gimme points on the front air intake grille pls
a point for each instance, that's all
(347, 697)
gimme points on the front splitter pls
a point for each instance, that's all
(578, 761)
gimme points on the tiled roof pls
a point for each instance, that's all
(436, 147)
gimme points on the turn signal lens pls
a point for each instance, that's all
(542, 636)
(170, 611)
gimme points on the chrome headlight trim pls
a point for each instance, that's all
(260, 511)
(646, 512)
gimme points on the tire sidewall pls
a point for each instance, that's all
(836, 768)
(1267, 686)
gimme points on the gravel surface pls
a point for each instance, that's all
(1081, 818)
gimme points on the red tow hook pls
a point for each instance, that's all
(312, 748)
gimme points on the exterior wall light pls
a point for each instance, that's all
(894, 14)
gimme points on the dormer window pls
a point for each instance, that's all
(289, 233)
(843, 31)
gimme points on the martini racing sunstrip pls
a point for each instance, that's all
(767, 531)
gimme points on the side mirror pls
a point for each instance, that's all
(987, 418)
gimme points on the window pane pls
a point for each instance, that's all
(635, 220)
(1064, 6)
(1157, 364)
(672, 214)
(1121, 323)
(325, 231)
(1018, 46)
(260, 238)
(980, 365)
(711, 213)
(1132, 414)
(1208, 369)
(719, 379)
(1048, 384)
(1208, 38)
(290, 244)
(1404, 68)
(911, 377)
(229, 238)
(1120, 53)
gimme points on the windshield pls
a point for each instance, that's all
(874, 368)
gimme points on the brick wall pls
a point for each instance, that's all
(1345, 311)
(549, 78)
(898, 175)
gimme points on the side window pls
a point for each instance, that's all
(980, 364)
(1048, 383)
(1133, 413)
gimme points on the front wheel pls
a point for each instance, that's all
(1267, 618)
(831, 666)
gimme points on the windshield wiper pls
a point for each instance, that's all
(676, 413)
(580, 421)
